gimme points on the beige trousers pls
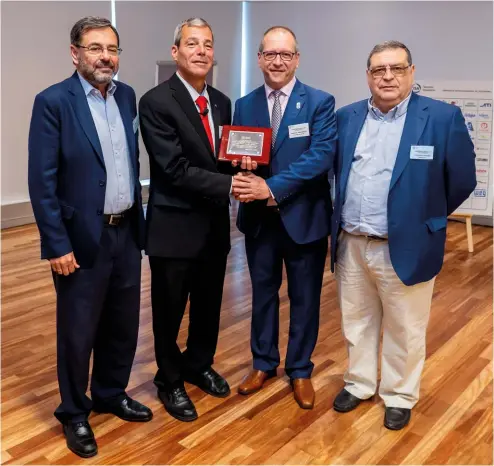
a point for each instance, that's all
(372, 296)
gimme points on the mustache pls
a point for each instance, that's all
(103, 64)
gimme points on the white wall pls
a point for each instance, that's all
(146, 29)
(40, 31)
(35, 55)
(448, 40)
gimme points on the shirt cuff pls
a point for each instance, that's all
(271, 200)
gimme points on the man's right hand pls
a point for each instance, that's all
(64, 265)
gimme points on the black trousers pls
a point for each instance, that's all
(98, 311)
(173, 281)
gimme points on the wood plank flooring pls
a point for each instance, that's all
(451, 424)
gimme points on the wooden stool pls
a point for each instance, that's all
(468, 224)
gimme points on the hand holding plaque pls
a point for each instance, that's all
(245, 141)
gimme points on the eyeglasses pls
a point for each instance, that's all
(396, 70)
(285, 56)
(99, 50)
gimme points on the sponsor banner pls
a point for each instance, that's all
(475, 99)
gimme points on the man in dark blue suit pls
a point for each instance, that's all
(86, 196)
(405, 162)
(287, 214)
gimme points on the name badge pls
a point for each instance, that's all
(135, 124)
(220, 131)
(421, 152)
(298, 131)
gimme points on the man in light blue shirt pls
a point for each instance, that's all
(119, 193)
(365, 211)
(405, 162)
(85, 192)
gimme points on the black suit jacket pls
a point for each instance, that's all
(189, 189)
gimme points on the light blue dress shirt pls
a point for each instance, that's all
(365, 208)
(119, 194)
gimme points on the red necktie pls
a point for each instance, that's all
(202, 103)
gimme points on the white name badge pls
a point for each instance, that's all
(422, 152)
(298, 131)
(135, 124)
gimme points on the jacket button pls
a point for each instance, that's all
(99, 212)
(102, 182)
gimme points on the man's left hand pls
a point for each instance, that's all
(248, 187)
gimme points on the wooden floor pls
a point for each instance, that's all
(451, 424)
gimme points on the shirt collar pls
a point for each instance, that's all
(89, 88)
(192, 91)
(286, 89)
(393, 114)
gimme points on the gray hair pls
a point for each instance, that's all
(191, 22)
(389, 45)
(274, 28)
(89, 23)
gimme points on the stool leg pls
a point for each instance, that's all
(468, 223)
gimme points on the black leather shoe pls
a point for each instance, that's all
(211, 382)
(80, 439)
(397, 418)
(178, 404)
(127, 409)
(345, 402)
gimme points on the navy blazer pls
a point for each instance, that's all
(66, 171)
(298, 173)
(422, 193)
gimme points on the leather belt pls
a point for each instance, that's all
(115, 219)
(380, 238)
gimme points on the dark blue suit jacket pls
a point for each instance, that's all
(298, 175)
(422, 192)
(67, 175)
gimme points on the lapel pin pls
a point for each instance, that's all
(298, 105)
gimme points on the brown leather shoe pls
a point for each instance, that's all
(254, 381)
(303, 392)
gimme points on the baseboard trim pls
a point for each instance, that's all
(21, 213)
(14, 215)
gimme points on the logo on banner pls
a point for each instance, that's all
(486, 105)
(484, 126)
(480, 193)
(480, 151)
(470, 126)
(469, 115)
(481, 147)
(485, 115)
(416, 87)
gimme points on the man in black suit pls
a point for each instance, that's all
(188, 223)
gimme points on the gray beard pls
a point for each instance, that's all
(94, 76)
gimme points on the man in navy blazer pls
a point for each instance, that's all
(405, 162)
(286, 212)
(86, 196)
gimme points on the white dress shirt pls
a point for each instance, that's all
(194, 94)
